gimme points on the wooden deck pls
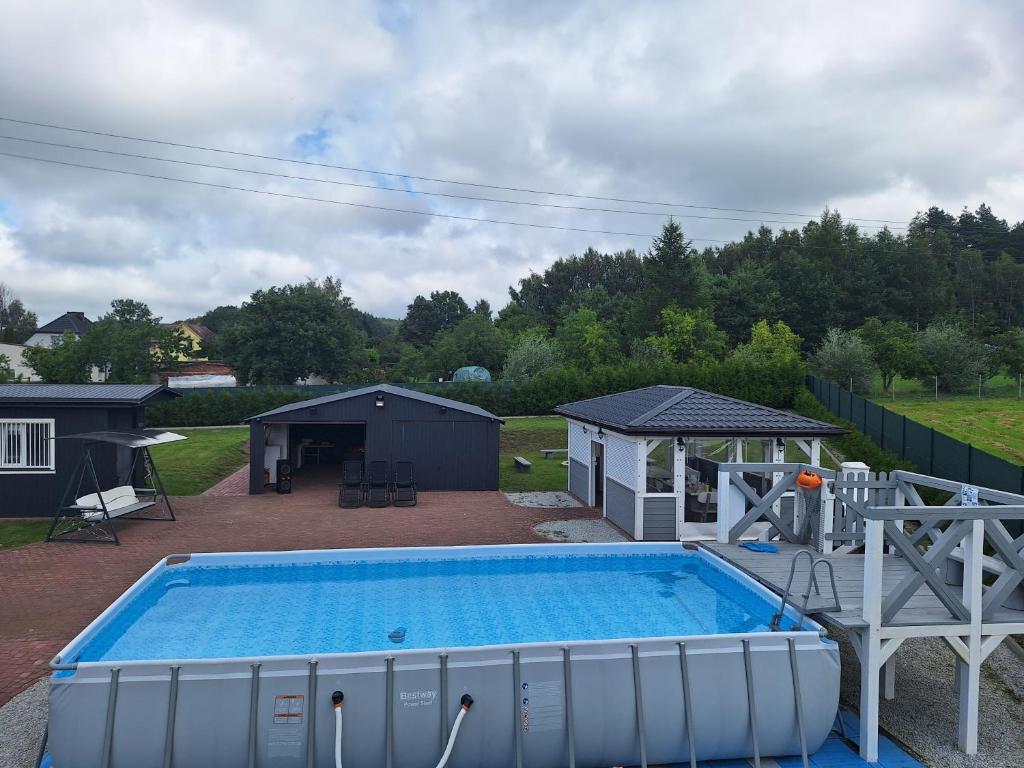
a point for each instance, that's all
(772, 570)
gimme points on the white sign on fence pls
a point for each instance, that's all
(968, 495)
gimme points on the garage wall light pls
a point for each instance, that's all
(380, 401)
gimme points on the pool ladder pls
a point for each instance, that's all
(812, 583)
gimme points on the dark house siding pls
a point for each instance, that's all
(620, 505)
(37, 495)
(450, 449)
(659, 519)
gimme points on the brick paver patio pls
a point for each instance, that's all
(49, 592)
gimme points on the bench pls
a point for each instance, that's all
(549, 452)
(522, 465)
(119, 501)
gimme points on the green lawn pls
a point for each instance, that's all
(14, 533)
(525, 437)
(995, 425)
(209, 455)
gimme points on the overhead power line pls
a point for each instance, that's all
(401, 190)
(309, 198)
(432, 179)
(367, 206)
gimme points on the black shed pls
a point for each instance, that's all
(453, 446)
(34, 467)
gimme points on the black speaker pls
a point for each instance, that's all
(284, 476)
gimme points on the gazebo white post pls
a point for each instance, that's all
(870, 640)
(969, 677)
(641, 487)
(779, 457)
(679, 483)
(724, 507)
(730, 510)
(816, 451)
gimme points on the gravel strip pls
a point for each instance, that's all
(22, 722)
(924, 714)
(579, 531)
(543, 499)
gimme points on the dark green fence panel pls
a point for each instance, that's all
(918, 441)
(992, 472)
(931, 452)
(845, 404)
(950, 458)
(873, 421)
(858, 405)
(892, 432)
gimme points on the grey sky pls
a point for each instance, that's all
(879, 109)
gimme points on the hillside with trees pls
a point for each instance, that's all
(942, 297)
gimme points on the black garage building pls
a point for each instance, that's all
(35, 468)
(453, 445)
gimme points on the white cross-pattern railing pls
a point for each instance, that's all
(937, 541)
(737, 512)
(957, 549)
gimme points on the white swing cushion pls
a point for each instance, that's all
(119, 501)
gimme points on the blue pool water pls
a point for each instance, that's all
(341, 607)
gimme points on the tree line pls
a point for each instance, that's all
(945, 297)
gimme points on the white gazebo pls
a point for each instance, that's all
(648, 457)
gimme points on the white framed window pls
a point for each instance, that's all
(26, 445)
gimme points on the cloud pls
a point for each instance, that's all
(881, 110)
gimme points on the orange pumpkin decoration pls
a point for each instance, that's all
(809, 481)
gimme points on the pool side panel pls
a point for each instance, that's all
(213, 706)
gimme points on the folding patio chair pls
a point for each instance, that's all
(353, 484)
(405, 485)
(378, 491)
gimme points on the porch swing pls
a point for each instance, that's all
(90, 516)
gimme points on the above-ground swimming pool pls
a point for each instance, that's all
(594, 654)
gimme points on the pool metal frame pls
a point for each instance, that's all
(65, 663)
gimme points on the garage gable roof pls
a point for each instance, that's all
(386, 389)
(83, 394)
(688, 411)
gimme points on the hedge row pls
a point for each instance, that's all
(767, 383)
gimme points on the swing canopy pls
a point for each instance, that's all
(89, 517)
(144, 438)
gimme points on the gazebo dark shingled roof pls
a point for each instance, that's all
(667, 410)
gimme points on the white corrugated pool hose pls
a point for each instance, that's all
(337, 698)
(467, 702)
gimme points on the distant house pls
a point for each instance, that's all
(21, 370)
(200, 374)
(51, 333)
(194, 334)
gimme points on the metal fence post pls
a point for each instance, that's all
(931, 450)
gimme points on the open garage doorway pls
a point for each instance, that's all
(326, 445)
